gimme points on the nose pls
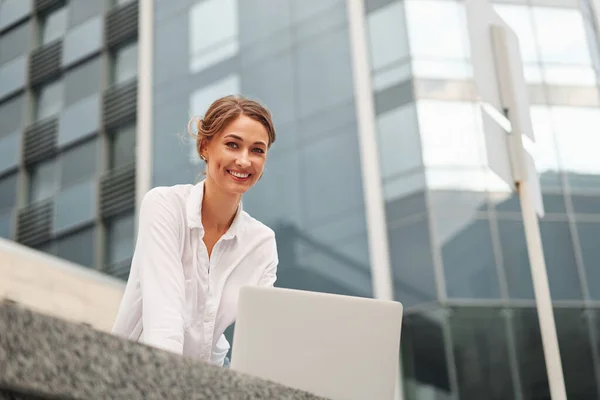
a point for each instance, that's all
(243, 161)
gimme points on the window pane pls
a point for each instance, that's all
(399, 141)
(577, 142)
(576, 353)
(468, 257)
(75, 205)
(388, 39)
(6, 223)
(122, 147)
(215, 39)
(8, 191)
(125, 63)
(530, 354)
(12, 11)
(520, 20)
(79, 163)
(15, 43)
(324, 75)
(10, 150)
(412, 263)
(54, 25)
(82, 41)
(560, 260)
(120, 238)
(481, 352)
(11, 115)
(516, 259)
(589, 236)
(78, 247)
(83, 81)
(567, 45)
(49, 100)
(82, 10)
(43, 182)
(425, 367)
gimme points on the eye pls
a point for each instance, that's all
(232, 145)
(259, 150)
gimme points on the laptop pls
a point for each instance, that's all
(339, 347)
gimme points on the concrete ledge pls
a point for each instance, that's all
(42, 357)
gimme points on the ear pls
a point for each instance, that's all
(202, 147)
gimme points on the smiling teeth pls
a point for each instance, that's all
(238, 175)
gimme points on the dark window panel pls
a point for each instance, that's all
(516, 259)
(79, 163)
(11, 115)
(15, 43)
(83, 81)
(122, 147)
(589, 239)
(8, 191)
(78, 247)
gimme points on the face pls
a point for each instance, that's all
(236, 156)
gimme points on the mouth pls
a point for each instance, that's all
(239, 176)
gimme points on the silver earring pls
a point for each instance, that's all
(203, 158)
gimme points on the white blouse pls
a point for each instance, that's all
(177, 298)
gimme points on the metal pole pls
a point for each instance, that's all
(541, 288)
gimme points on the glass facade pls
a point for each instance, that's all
(458, 250)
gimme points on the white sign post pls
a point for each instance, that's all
(498, 73)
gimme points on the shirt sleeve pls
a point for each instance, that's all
(270, 273)
(161, 274)
(220, 350)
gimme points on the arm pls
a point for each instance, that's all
(269, 275)
(161, 274)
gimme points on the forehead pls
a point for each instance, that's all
(248, 129)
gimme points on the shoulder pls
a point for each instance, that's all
(255, 228)
(166, 199)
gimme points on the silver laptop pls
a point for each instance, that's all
(334, 346)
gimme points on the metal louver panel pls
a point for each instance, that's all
(45, 63)
(44, 5)
(120, 104)
(122, 24)
(35, 223)
(119, 269)
(41, 140)
(117, 191)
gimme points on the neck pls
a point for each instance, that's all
(218, 208)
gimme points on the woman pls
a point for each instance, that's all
(196, 246)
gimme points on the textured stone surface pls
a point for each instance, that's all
(44, 357)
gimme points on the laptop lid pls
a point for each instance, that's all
(335, 346)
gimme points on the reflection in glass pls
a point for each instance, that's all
(529, 352)
(79, 163)
(83, 81)
(399, 141)
(468, 257)
(424, 363)
(125, 63)
(49, 100)
(560, 260)
(122, 147)
(120, 238)
(213, 33)
(438, 38)
(412, 262)
(6, 223)
(8, 191)
(15, 43)
(79, 247)
(589, 234)
(576, 353)
(388, 40)
(53, 25)
(481, 353)
(43, 181)
(515, 259)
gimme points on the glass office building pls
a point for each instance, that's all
(71, 124)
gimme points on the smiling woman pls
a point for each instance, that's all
(196, 247)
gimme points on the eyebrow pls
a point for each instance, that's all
(241, 140)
